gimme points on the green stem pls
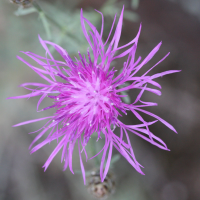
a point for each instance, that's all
(46, 17)
(39, 9)
(45, 24)
(43, 17)
(93, 149)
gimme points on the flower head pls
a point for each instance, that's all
(88, 99)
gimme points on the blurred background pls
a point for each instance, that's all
(173, 175)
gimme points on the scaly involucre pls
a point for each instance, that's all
(88, 99)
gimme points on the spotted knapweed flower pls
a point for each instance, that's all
(88, 99)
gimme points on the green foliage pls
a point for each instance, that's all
(131, 16)
(63, 27)
(21, 11)
(134, 4)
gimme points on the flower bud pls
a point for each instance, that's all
(98, 189)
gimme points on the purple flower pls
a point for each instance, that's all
(88, 99)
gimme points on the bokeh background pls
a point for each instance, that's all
(173, 175)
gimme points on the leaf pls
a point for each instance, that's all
(131, 16)
(135, 4)
(115, 158)
(126, 99)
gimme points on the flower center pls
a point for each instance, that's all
(88, 96)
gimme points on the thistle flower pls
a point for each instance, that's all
(88, 99)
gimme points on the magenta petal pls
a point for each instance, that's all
(164, 73)
(26, 95)
(160, 119)
(34, 84)
(118, 31)
(103, 159)
(53, 154)
(108, 161)
(102, 25)
(84, 29)
(140, 94)
(156, 64)
(32, 121)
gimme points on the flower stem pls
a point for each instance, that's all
(45, 18)
(93, 150)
